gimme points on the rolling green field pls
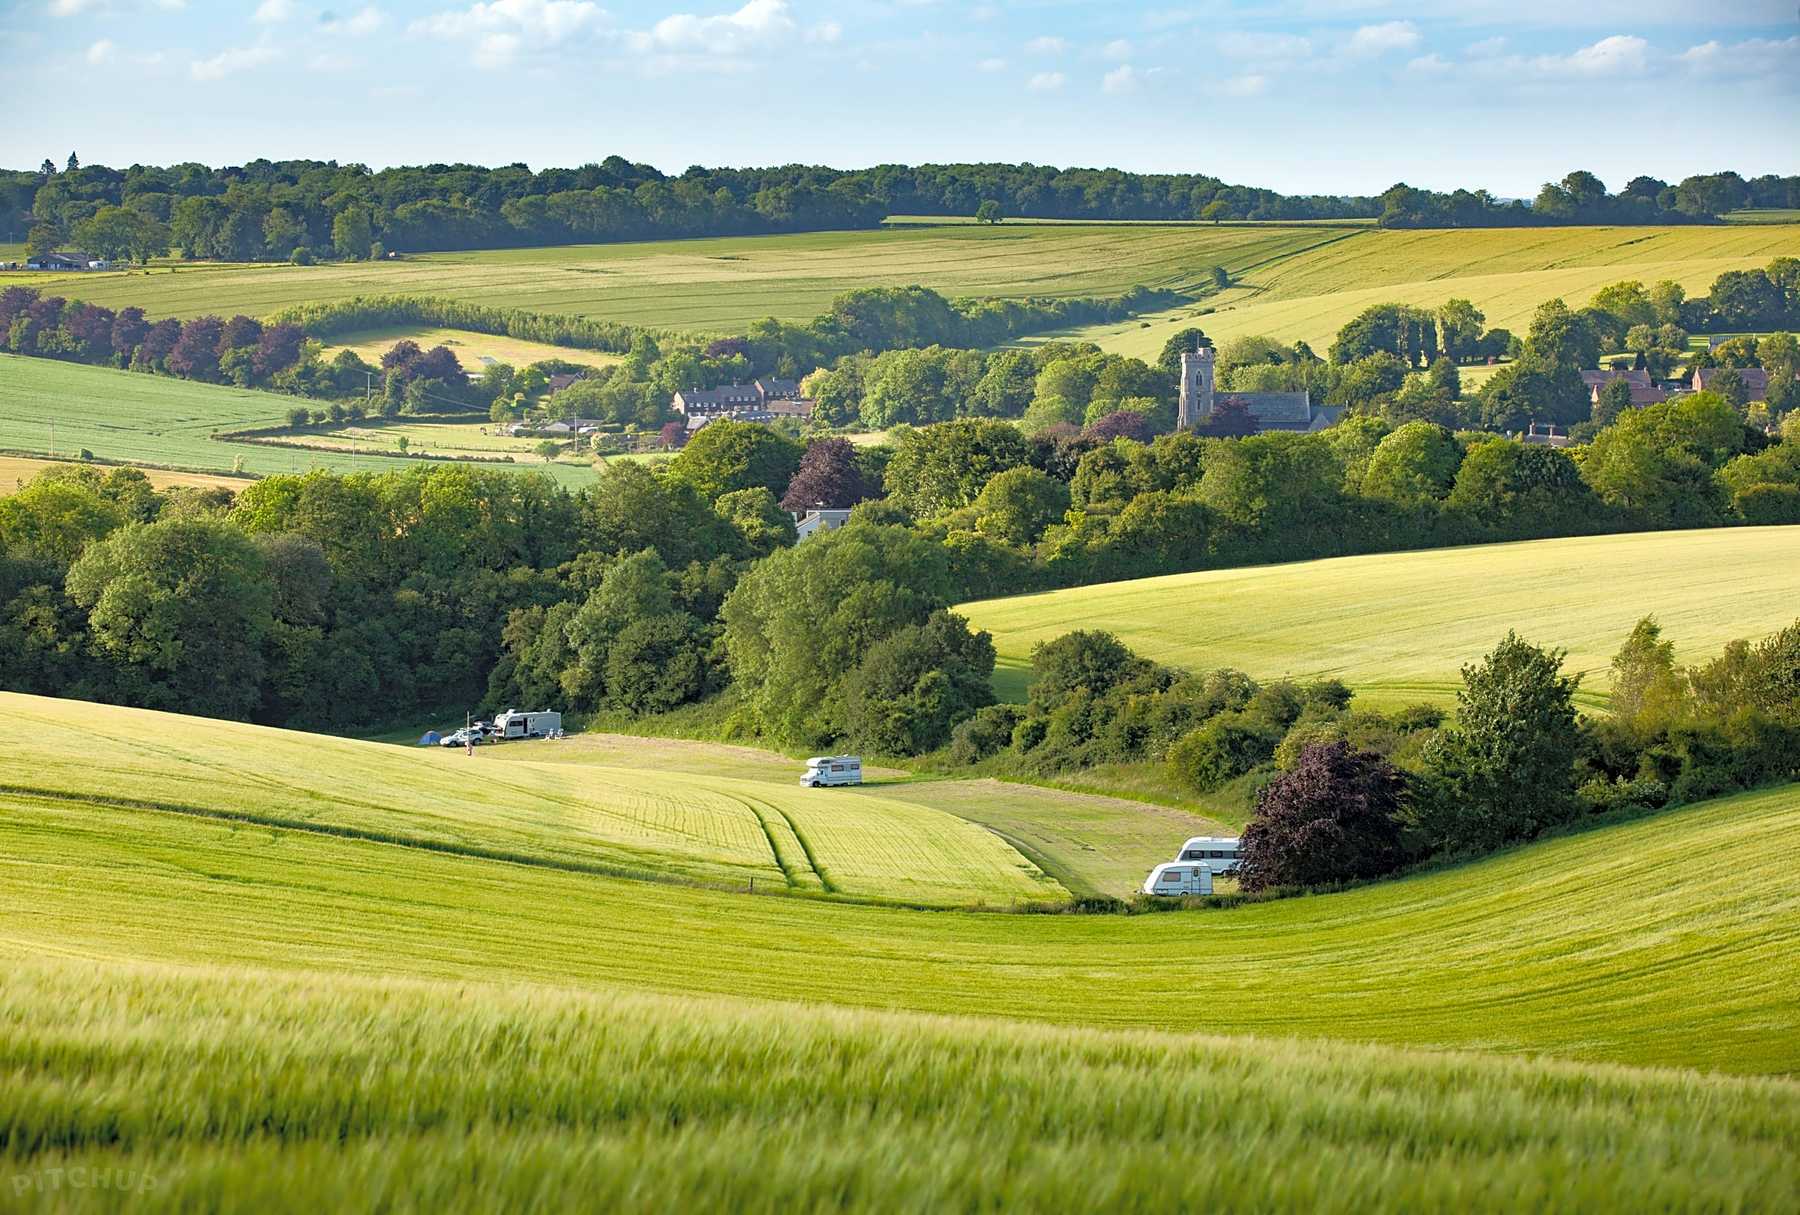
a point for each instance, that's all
(630, 820)
(1294, 280)
(53, 408)
(1091, 843)
(1507, 272)
(1399, 626)
(208, 1012)
(722, 284)
(1579, 947)
(15, 471)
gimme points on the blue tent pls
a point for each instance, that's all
(429, 738)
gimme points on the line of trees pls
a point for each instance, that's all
(302, 210)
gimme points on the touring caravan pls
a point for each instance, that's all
(825, 770)
(1173, 878)
(514, 724)
(1220, 852)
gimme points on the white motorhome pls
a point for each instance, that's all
(825, 770)
(1174, 878)
(514, 724)
(1218, 851)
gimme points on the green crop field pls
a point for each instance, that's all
(1399, 626)
(1090, 842)
(1294, 280)
(723, 284)
(1507, 272)
(53, 408)
(210, 1012)
(616, 819)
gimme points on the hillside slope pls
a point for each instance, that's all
(1669, 941)
(1399, 626)
(641, 822)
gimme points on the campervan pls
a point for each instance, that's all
(514, 724)
(1218, 851)
(824, 770)
(1172, 878)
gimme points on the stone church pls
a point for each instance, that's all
(1293, 411)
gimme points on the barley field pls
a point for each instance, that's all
(722, 284)
(52, 408)
(1506, 272)
(617, 819)
(1093, 841)
(1669, 941)
(1399, 626)
(174, 1089)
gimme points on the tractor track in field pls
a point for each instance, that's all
(761, 809)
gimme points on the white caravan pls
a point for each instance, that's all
(514, 724)
(825, 770)
(1176, 878)
(1218, 851)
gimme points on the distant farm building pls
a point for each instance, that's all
(1289, 411)
(1754, 379)
(66, 261)
(563, 380)
(1644, 390)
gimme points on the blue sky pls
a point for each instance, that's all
(1323, 96)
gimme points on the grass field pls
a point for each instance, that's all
(1576, 947)
(53, 408)
(1088, 841)
(1399, 626)
(723, 284)
(1765, 215)
(629, 820)
(219, 1014)
(1295, 280)
(1507, 272)
(473, 350)
(15, 471)
(446, 438)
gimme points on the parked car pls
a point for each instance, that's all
(463, 738)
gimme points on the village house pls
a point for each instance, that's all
(1644, 390)
(1290, 411)
(814, 522)
(1754, 379)
(762, 400)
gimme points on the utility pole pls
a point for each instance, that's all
(368, 391)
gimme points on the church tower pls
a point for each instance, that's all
(1196, 388)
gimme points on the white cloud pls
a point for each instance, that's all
(1046, 82)
(1621, 53)
(1380, 39)
(758, 24)
(229, 62)
(358, 25)
(1118, 50)
(1263, 48)
(1433, 64)
(498, 32)
(1047, 45)
(1487, 48)
(992, 65)
(273, 12)
(101, 52)
(1248, 84)
(825, 31)
(1752, 57)
(1123, 79)
(74, 8)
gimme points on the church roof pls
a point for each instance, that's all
(1280, 410)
